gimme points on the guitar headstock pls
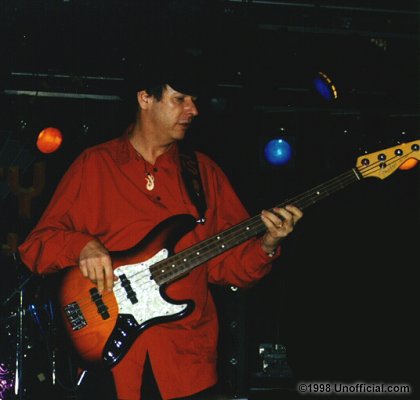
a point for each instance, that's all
(383, 163)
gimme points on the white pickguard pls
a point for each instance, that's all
(150, 303)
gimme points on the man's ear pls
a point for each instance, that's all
(143, 99)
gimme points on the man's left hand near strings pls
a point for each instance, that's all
(280, 222)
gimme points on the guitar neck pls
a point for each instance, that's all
(181, 263)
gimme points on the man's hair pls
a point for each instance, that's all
(156, 91)
(132, 106)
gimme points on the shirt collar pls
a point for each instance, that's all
(126, 152)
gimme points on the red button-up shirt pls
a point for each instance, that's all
(103, 195)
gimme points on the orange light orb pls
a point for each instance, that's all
(49, 140)
(410, 163)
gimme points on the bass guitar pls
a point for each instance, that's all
(102, 327)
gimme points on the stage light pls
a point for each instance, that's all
(325, 87)
(278, 152)
(49, 140)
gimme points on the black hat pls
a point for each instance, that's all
(182, 71)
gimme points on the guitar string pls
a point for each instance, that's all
(232, 234)
(320, 190)
(145, 273)
(206, 248)
(245, 229)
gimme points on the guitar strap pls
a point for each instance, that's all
(190, 172)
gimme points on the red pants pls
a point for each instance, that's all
(134, 381)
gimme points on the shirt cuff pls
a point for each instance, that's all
(269, 256)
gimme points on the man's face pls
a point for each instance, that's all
(173, 114)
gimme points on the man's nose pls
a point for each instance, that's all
(191, 107)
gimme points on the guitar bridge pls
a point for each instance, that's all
(74, 316)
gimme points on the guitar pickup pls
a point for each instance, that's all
(75, 316)
(126, 284)
(97, 299)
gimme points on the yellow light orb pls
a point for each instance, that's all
(49, 140)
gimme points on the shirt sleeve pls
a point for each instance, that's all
(246, 263)
(58, 238)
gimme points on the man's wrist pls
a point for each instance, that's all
(271, 253)
(269, 250)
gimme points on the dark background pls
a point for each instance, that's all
(342, 298)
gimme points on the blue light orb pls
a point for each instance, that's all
(323, 89)
(277, 152)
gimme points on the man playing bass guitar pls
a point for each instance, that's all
(117, 209)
